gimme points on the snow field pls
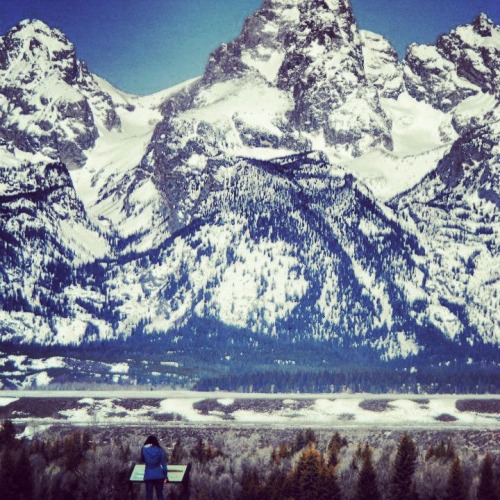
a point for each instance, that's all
(419, 411)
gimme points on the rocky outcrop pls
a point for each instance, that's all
(475, 52)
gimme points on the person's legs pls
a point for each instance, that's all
(159, 488)
(149, 489)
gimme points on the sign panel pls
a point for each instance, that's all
(175, 473)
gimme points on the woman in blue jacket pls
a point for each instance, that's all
(155, 473)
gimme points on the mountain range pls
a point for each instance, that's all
(308, 201)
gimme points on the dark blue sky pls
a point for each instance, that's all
(142, 46)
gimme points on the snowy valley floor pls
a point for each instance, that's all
(41, 409)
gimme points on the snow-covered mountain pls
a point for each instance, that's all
(308, 187)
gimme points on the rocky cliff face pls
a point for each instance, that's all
(311, 51)
(292, 81)
(323, 68)
(250, 198)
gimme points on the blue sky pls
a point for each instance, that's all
(142, 46)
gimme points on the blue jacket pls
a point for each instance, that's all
(156, 462)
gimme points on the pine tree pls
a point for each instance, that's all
(7, 469)
(250, 484)
(312, 479)
(307, 476)
(333, 450)
(275, 487)
(357, 457)
(299, 442)
(450, 451)
(199, 451)
(456, 489)
(404, 468)
(24, 475)
(431, 452)
(73, 451)
(16, 476)
(178, 453)
(55, 449)
(329, 488)
(310, 437)
(120, 486)
(7, 433)
(367, 487)
(203, 495)
(486, 489)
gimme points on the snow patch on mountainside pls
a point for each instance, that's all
(421, 136)
(475, 111)
(388, 175)
(416, 126)
(239, 294)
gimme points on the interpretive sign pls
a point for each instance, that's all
(175, 473)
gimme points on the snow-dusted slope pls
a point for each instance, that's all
(120, 197)
(242, 262)
(421, 136)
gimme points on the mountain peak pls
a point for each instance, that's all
(48, 98)
(242, 210)
(35, 25)
(483, 25)
(52, 38)
(32, 47)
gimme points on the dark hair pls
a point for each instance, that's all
(152, 440)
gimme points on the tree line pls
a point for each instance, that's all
(462, 380)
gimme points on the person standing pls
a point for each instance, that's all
(155, 473)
